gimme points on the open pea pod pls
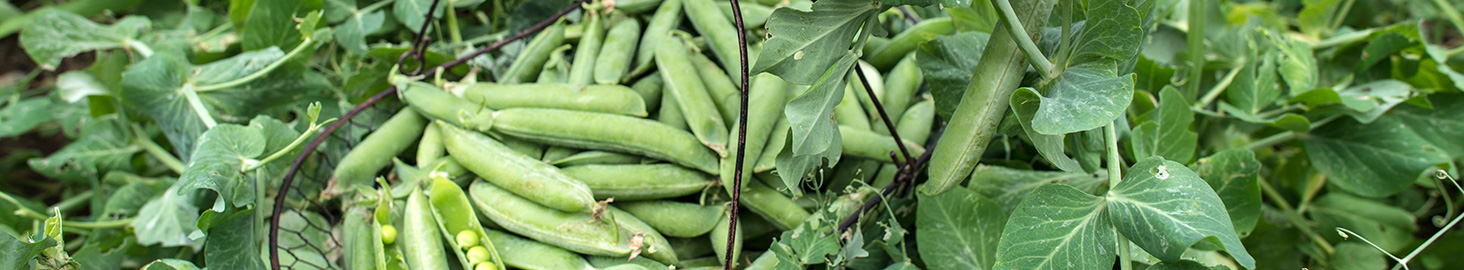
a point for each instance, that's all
(461, 230)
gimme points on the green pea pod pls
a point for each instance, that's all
(622, 263)
(766, 261)
(594, 157)
(692, 247)
(723, 92)
(653, 244)
(448, 206)
(772, 205)
(640, 182)
(670, 113)
(528, 254)
(528, 177)
(430, 148)
(582, 72)
(667, 17)
(886, 56)
(985, 102)
(602, 131)
(768, 159)
(849, 112)
(686, 86)
(649, 89)
(719, 240)
(578, 232)
(361, 239)
(900, 87)
(556, 69)
(614, 99)
(435, 103)
(765, 108)
(555, 152)
(754, 15)
(636, 6)
(360, 165)
(528, 148)
(721, 36)
(616, 53)
(870, 145)
(526, 66)
(677, 219)
(418, 238)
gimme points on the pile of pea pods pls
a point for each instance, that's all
(618, 154)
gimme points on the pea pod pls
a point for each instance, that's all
(528, 254)
(582, 72)
(640, 182)
(604, 262)
(556, 69)
(667, 17)
(595, 98)
(594, 157)
(448, 206)
(719, 238)
(430, 148)
(636, 6)
(849, 112)
(765, 107)
(602, 131)
(435, 103)
(526, 65)
(677, 219)
(718, 30)
(649, 89)
(719, 86)
(522, 175)
(768, 159)
(419, 241)
(360, 165)
(578, 232)
(867, 144)
(555, 152)
(686, 86)
(886, 56)
(754, 15)
(985, 102)
(692, 247)
(616, 53)
(528, 148)
(778, 209)
(900, 87)
(653, 244)
(361, 239)
(670, 113)
(766, 261)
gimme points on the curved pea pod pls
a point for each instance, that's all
(595, 157)
(653, 245)
(886, 56)
(435, 103)
(766, 261)
(667, 17)
(528, 254)
(528, 148)
(723, 92)
(636, 6)
(360, 165)
(670, 113)
(649, 89)
(640, 182)
(595, 98)
(849, 112)
(754, 15)
(418, 238)
(677, 219)
(765, 108)
(578, 232)
(772, 205)
(768, 160)
(602, 131)
(361, 239)
(870, 145)
(582, 72)
(719, 238)
(616, 53)
(686, 86)
(530, 178)
(526, 66)
(900, 87)
(430, 148)
(708, 21)
(916, 122)
(555, 152)
(448, 206)
(691, 247)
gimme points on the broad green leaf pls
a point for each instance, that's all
(91, 257)
(234, 244)
(805, 44)
(1440, 126)
(1355, 255)
(1297, 66)
(352, 34)
(270, 23)
(56, 34)
(1288, 121)
(809, 243)
(105, 145)
(1167, 134)
(1057, 227)
(170, 218)
(338, 10)
(74, 86)
(154, 88)
(1233, 174)
(1371, 160)
(1254, 87)
(1165, 208)
(127, 200)
(1024, 104)
(925, 3)
(19, 252)
(1184, 265)
(22, 116)
(1007, 186)
(1438, 76)
(1084, 97)
(946, 62)
(1114, 30)
(218, 162)
(412, 13)
(958, 230)
(1369, 100)
(1386, 225)
(814, 136)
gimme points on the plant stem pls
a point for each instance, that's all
(1403, 262)
(1295, 218)
(74, 200)
(153, 149)
(1115, 162)
(1219, 87)
(1019, 34)
(197, 104)
(453, 32)
(1286, 135)
(1452, 14)
(1341, 15)
(26, 212)
(307, 43)
(1195, 39)
(1276, 112)
(742, 134)
(139, 47)
(1343, 39)
(253, 165)
(1064, 46)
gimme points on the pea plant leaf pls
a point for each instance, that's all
(803, 45)
(19, 252)
(22, 116)
(1370, 100)
(412, 13)
(1057, 227)
(127, 200)
(946, 62)
(1167, 133)
(1083, 97)
(1007, 186)
(1184, 265)
(271, 23)
(814, 136)
(1254, 87)
(1165, 208)
(1386, 225)
(959, 229)
(1025, 103)
(1439, 126)
(1297, 66)
(1373, 160)
(218, 161)
(170, 219)
(105, 145)
(56, 34)
(1114, 30)
(351, 35)
(231, 244)
(1234, 175)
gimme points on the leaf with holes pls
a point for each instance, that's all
(1167, 133)
(1234, 175)
(805, 44)
(1165, 208)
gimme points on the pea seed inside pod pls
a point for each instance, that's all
(467, 239)
(477, 254)
(484, 266)
(388, 234)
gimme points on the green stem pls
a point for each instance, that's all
(153, 149)
(1064, 46)
(1115, 162)
(1014, 27)
(1276, 112)
(1195, 40)
(1286, 135)
(1452, 14)
(197, 104)
(1295, 218)
(89, 225)
(1219, 87)
(309, 133)
(452, 25)
(1341, 15)
(307, 43)
(74, 200)
(1436, 235)
(1343, 39)
(138, 47)
(1456, 51)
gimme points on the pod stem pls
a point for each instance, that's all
(741, 136)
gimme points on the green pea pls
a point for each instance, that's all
(602, 131)
(685, 85)
(718, 30)
(526, 66)
(525, 176)
(667, 17)
(485, 266)
(360, 165)
(626, 182)
(448, 205)
(477, 254)
(677, 219)
(616, 53)
(522, 253)
(388, 234)
(596, 98)
(467, 239)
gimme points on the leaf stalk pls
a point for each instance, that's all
(1019, 34)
